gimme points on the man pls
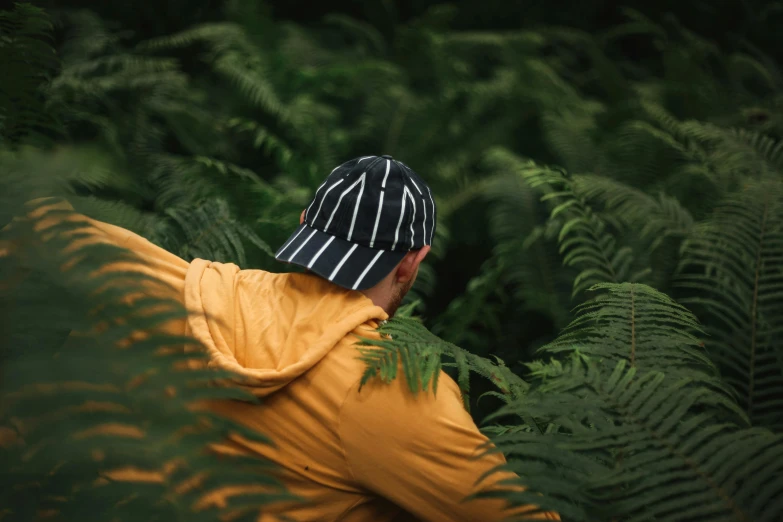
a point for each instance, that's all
(375, 455)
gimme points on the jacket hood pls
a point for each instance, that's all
(269, 328)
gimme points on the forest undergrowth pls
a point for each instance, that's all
(606, 285)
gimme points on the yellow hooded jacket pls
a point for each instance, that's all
(375, 455)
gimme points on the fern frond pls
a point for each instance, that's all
(726, 157)
(253, 85)
(211, 232)
(571, 135)
(408, 346)
(233, 56)
(224, 34)
(119, 213)
(264, 139)
(650, 151)
(654, 219)
(99, 77)
(184, 180)
(733, 267)
(645, 328)
(767, 148)
(584, 239)
(527, 250)
(631, 447)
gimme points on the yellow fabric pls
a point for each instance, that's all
(372, 456)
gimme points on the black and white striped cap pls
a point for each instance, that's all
(368, 213)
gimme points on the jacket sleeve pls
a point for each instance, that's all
(418, 452)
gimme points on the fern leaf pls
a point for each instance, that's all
(679, 461)
(407, 345)
(527, 251)
(584, 239)
(733, 267)
(211, 232)
(643, 327)
(654, 219)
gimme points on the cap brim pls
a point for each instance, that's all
(346, 264)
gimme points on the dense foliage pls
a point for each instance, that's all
(610, 227)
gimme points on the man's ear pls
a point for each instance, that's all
(410, 264)
(301, 216)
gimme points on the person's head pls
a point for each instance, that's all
(368, 228)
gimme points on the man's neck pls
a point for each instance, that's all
(376, 296)
(380, 295)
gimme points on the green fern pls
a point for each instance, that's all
(584, 239)
(263, 139)
(643, 327)
(732, 267)
(571, 135)
(767, 148)
(705, 149)
(526, 249)
(602, 441)
(232, 55)
(211, 232)
(407, 346)
(638, 447)
(653, 219)
(185, 180)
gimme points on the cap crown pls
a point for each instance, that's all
(377, 202)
